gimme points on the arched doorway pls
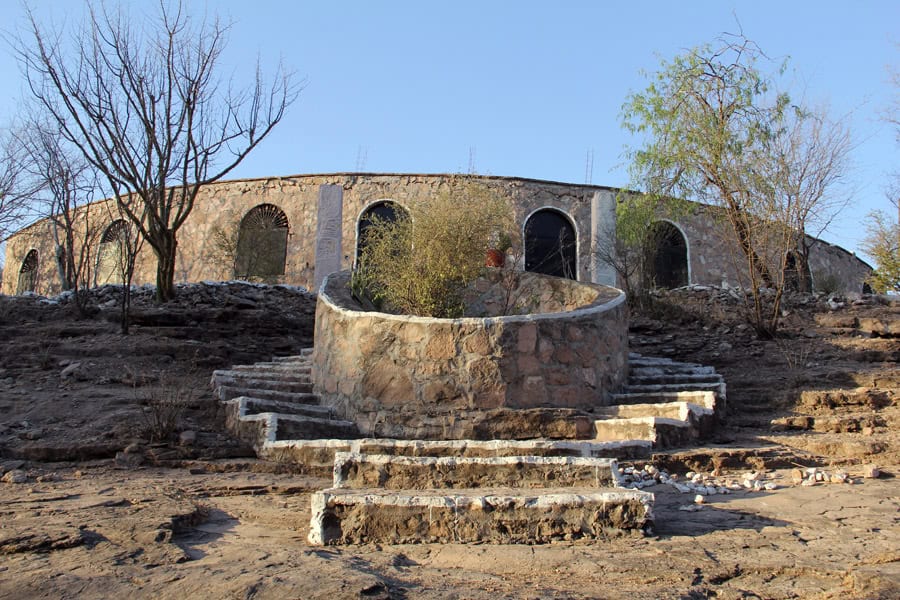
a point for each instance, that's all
(28, 273)
(550, 244)
(670, 256)
(112, 253)
(262, 244)
(384, 210)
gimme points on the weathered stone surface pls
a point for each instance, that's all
(385, 516)
(393, 472)
(429, 378)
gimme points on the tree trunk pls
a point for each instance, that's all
(165, 266)
(743, 231)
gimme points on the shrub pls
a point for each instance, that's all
(421, 262)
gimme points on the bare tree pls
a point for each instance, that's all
(16, 188)
(144, 104)
(67, 184)
(807, 163)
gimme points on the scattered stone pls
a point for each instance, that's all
(699, 499)
(9, 465)
(129, 459)
(73, 371)
(32, 434)
(871, 472)
(15, 476)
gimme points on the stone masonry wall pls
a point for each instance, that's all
(714, 260)
(415, 377)
(221, 206)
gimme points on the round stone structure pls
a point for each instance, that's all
(489, 377)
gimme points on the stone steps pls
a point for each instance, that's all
(502, 516)
(254, 406)
(318, 456)
(397, 472)
(227, 392)
(300, 427)
(664, 402)
(272, 401)
(274, 368)
(661, 432)
(286, 383)
(516, 499)
(674, 378)
(502, 491)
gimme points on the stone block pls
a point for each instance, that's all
(526, 338)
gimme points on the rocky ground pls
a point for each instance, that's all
(118, 477)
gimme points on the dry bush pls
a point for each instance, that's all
(163, 404)
(421, 263)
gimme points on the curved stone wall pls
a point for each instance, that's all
(468, 378)
(322, 214)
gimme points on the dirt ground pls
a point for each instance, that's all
(187, 512)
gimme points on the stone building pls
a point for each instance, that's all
(299, 228)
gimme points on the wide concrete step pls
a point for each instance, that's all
(668, 410)
(285, 383)
(317, 455)
(706, 399)
(638, 360)
(670, 369)
(673, 378)
(349, 516)
(274, 368)
(255, 406)
(227, 392)
(358, 471)
(718, 388)
(661, 432)
(299, 427)
(299, 358)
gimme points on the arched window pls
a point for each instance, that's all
(550, 244)
(262, 244)
(28, 273)
(384, 211)
(112, 253)
(670, 257)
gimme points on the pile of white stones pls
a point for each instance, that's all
(708, 484)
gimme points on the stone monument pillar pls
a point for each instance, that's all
(328, 232)
(603, 226)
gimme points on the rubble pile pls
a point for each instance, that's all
(709, 484)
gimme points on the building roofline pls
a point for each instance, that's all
(399, 174)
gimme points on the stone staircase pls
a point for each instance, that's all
(664, 402)
(562, 488)
(272, 401)
(516, 499)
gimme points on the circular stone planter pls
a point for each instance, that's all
(493, 377)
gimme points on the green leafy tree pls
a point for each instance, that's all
(715, 130)
(882, 243)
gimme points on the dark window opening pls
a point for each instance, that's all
(112, 253)
(28, 273)
(381, 211)
(261, 250)
(550, 244)
(670, 262)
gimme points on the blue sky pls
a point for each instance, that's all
(525, 88)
